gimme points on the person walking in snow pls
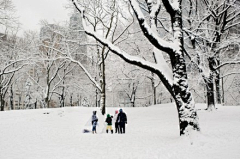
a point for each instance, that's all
(94, 126)
(115, 122)
(109, 123)
(94, 121)
(122, 120)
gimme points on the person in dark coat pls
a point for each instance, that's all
(122, 120)
(109, 123)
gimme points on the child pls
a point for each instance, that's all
(94, 122)
(94, 127)
(109, 123)
(94, 117)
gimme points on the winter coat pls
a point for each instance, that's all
(94, 117)
(122, 118)
(109, 120)
(95, 123)
(115, 118)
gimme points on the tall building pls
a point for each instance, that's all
(79, 48)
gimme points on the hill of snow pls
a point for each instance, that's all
(151, 133)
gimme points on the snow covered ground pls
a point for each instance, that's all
(151, 133)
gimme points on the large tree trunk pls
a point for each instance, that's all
(188, 119)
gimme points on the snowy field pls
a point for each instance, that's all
(151, 133)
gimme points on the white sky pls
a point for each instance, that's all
(30, 12)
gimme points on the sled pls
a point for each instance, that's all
(86, 131)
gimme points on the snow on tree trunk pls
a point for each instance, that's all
(183, 98)
(188, 119)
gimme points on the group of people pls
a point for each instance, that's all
(119, 119)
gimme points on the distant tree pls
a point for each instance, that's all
(47, 63)
(9, 64)
(130, 81)
(209, 26)
(8, 18)
(12, 60)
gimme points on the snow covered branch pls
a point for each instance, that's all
(11, 64)
(152, 36)
(127, 57)
(84, 69)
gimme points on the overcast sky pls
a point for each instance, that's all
(30, 12)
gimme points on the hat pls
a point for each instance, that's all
(120, 110)
(108, 115)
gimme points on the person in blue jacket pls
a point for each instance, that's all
(94, 122)
(94, 127)
(122, 120)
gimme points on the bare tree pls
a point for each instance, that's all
(48, 64)
(208, 27)
(11, 62)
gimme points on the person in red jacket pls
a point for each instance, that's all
(117, 130)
